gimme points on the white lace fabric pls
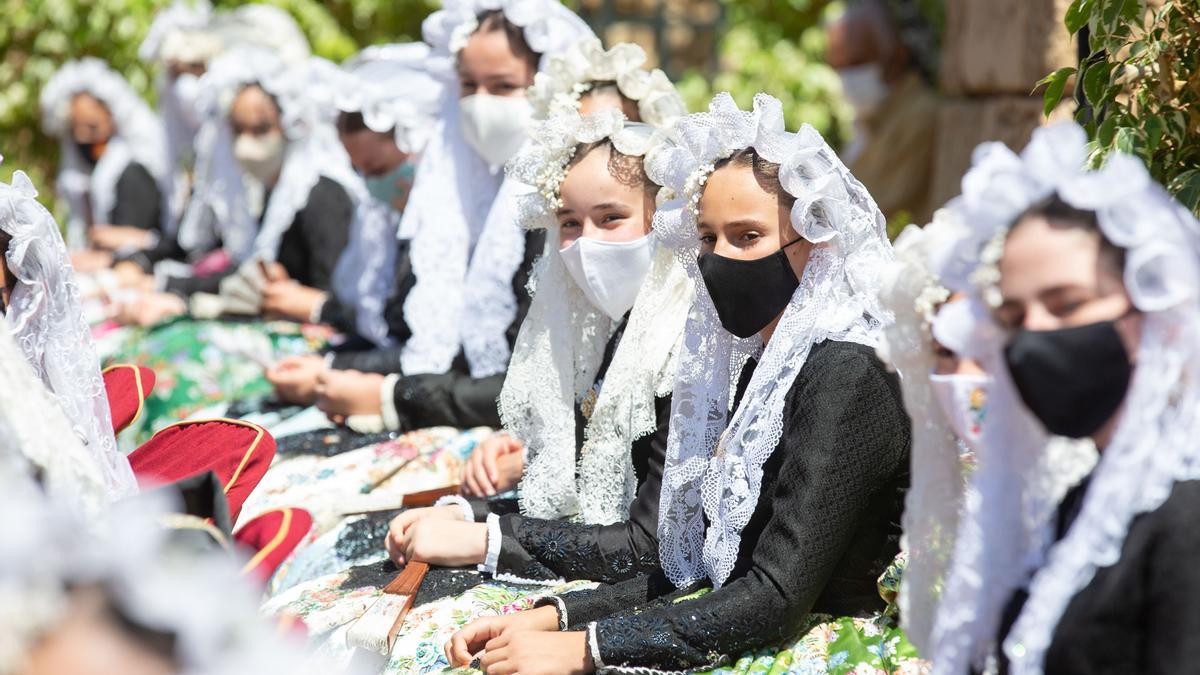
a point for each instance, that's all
(714, 462)
(461, 217)
(138, 137)
(1153, 447)
(560, 85)
(562, 342)
(47, 322)
(196, 595)
(912, 293)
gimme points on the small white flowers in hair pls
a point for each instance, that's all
(462, 34)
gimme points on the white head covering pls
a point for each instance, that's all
(836, 300)
(393, 89)
(220, 201)
(466, 243)
(179, 33)
(37, 439)
(47, 322)
(1154, 443)
(562, 343)
(137, 137)
(569, 75)
(197, 596)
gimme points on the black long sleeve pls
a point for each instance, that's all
(340, 316)
(825, 527)
(311, 247)
(448, 399)
(1138, 615)
(532, 548)
(138, 201)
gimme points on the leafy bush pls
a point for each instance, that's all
(1141, 86)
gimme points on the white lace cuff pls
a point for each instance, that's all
(492, 559)
(366, 424)
(165, 270)
(387, 402)
(468, 513)
(329, 360)
(314, 316)
(592, 644)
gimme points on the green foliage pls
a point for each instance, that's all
(37, 36)
(1142, 86)
(777, 47)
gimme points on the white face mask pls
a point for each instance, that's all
(495, 126)
(186, 88)
(864, 88)
(260, 156)
(609, 273)
(963, 400)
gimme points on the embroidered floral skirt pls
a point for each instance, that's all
(201, 364)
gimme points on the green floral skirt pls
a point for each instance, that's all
(201, 364)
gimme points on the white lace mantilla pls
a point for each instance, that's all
(46, 320)
(138, 137)
(566, 77)
(1153, 447)
(714, 463)
(562, 343)
(371, 82)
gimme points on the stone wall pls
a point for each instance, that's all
(994, 53)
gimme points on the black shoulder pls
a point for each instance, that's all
(328, 193)
(136, 175)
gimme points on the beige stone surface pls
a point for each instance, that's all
(965, 123)
(1003, 46)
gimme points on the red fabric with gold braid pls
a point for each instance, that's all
(238, 452)
(273, 536)
(127, 387)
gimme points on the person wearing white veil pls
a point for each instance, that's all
(786, 506)
(287, 207)
(598, 351)
(42, 309)
(1083, 287)
(113, 171)
(387, 104)
(465, 295)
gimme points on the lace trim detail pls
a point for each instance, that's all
(366, 270)
(713, 471)
(567, 76)
(387, 402)
(494, 540)
(468, 513)
(514, 579)
(47, 322)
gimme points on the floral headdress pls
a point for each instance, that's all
(566, 77)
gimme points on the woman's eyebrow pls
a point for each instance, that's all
(564, 212)
(609, 205)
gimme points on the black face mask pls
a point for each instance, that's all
(1072, 379)
(748, 294)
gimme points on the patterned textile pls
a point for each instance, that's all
(367, 479)
(199, 364)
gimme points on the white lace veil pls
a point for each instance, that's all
(137, 137)
(220, 209)
(158, 582)
(560, 85)
(562, 343)
(392, 88)
(836, 300)
(47, 323)
(37, 439)
(912, 293)
(461, 217)
(1154, 443)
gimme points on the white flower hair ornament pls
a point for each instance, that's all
(391, 86)
(835, 300)
(1130, 206)
(568, 76)
(178, 34)
(549, 28)
(304, 92)
(542, 163)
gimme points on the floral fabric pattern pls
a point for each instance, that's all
(201, 364)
